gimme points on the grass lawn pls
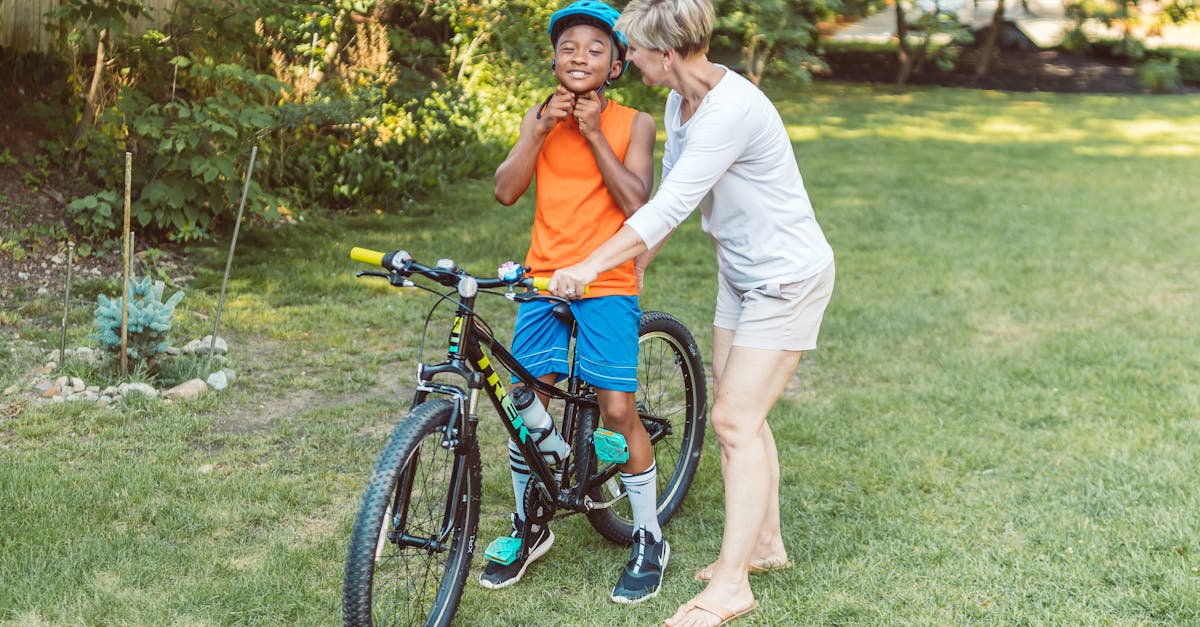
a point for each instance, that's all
(1002, 424)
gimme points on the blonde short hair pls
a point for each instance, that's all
(684, 26)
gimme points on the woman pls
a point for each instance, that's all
(728, 153)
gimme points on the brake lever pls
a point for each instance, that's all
(395, 278)
(530, 295)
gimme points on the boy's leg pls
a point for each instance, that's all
(642, 576)
(606, 348)
(539, 344)
(619, 412)
(520, 469)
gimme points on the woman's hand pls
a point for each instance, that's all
(569, 282)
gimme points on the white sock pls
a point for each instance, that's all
(643, 498)
(520, 476)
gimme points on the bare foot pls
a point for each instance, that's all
(704, 613)
(757, 565)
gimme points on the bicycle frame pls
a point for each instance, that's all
(471, 347)
(419, 517)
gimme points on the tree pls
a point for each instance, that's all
(931, 21)
(106, 19)
(1133, 19)
(770, 34)
(988, 50)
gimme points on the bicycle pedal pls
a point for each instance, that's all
(610, 446)
(504, 550)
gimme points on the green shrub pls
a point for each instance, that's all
(189, 153)
(96, 214)
(1076, 41)
(768, 36)
(148, 320)
(1160, 76)
(1128, 47)
(352, 103)
(1188, 63)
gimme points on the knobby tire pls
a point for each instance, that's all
(671, 386)
(389, 583)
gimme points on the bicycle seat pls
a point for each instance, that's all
(563, 312)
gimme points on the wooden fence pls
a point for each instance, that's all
(23, 22)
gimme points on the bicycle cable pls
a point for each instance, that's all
(446, 298)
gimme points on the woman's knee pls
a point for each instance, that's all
(733, 430)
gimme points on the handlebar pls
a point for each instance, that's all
(445, 272)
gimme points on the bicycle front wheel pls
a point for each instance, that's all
(672, 397)
(410, 550)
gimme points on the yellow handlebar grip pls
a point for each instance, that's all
(542, 284)
(364, 255)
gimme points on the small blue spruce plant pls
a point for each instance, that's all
(149, 320)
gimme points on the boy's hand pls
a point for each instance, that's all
(560, 107)
(587, 113)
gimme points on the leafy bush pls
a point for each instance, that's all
(352, 103)
(189, 149)
(1189, 68)
(96, 213)
(775, 36)
(358, 128)
(194, 151)
(148, 320)
(1160, 76)
(1187, 60)
(188, 119)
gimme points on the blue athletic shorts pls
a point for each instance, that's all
(606, 345)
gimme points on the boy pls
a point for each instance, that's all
(594, 165)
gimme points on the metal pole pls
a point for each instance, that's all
(62, 344)
(125, 268)
(212, 343)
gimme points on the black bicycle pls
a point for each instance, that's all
(415, 532)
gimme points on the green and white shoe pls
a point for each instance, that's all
(505, 564)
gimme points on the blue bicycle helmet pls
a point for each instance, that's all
(592, 12)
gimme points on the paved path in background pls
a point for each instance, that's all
(1043, 21)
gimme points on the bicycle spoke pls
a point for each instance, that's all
(411, 564)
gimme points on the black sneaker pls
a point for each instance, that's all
(643, 574)
(505, 566)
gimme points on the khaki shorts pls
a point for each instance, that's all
(775, 316)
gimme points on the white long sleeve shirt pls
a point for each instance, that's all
(734, 160)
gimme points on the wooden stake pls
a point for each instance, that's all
(125, 268)
(62, 344)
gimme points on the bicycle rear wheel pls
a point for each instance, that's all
(410, 550)
(672, 396)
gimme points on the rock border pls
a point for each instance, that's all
(44, 387)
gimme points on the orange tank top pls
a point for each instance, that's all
(575, 213)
